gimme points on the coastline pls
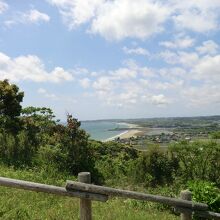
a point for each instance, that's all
(132, 132)
(116, 136)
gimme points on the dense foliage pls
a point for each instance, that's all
(10, 107)
(32, 138)
(198, 160)
(206, 192)
(155, 168)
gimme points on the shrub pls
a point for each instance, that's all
(190, 156)
(155, 167)
(16, 149)
(206, 192)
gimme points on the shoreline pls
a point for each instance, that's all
(134, 130)
(130, 133)
(116, 136)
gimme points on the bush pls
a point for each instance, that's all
(206, 192)
(16, 149)
(50, 157)
(113, 161)
(154, 167)
(198, 160)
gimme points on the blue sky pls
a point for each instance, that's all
(102, 59)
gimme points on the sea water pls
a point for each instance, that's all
(102, 130)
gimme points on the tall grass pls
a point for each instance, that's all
(20, 204)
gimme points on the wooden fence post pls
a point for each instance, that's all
(85, 204)
(186, 195)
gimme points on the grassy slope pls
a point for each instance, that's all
(19, 204)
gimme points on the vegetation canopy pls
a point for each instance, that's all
(32, 139)
(10, 105)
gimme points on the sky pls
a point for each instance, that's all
(105, 59)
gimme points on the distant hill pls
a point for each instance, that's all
(177, 121)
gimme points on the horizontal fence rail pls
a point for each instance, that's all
(83, 187)
(38, 187)
(87, 192)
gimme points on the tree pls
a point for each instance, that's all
(38, 123)
(75, 146)
(10, 107)
(198, 160)
(154, 167)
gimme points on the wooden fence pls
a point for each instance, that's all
(87, 192)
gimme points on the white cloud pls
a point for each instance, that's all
(77, 12)
(127, 18)
(199, 16)
(3, 6)
(78, 71)
(144, 82)
(9, 23)
(85, 82)
(176, 84)
(201, 22)
(47, 94)
(208, 69)
(29, 17)
(124, 97)
(127, 98)
(124, 73)
(203, 65)
(128, 85)
(180, 42)
(159, 100)
(119, 19)
(117, 87)
(103, 83)
(187, 59)
(172, 73)
(169, 56)
(131, 71)
(208, 47)
(35, 16)
(136, 51)
(204, 95)
(59, 74)
(146, 72)
(115, 20)
(30, 68)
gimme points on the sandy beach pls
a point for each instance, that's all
(133, 131)
(130, 133)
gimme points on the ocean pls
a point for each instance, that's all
(100, 130)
